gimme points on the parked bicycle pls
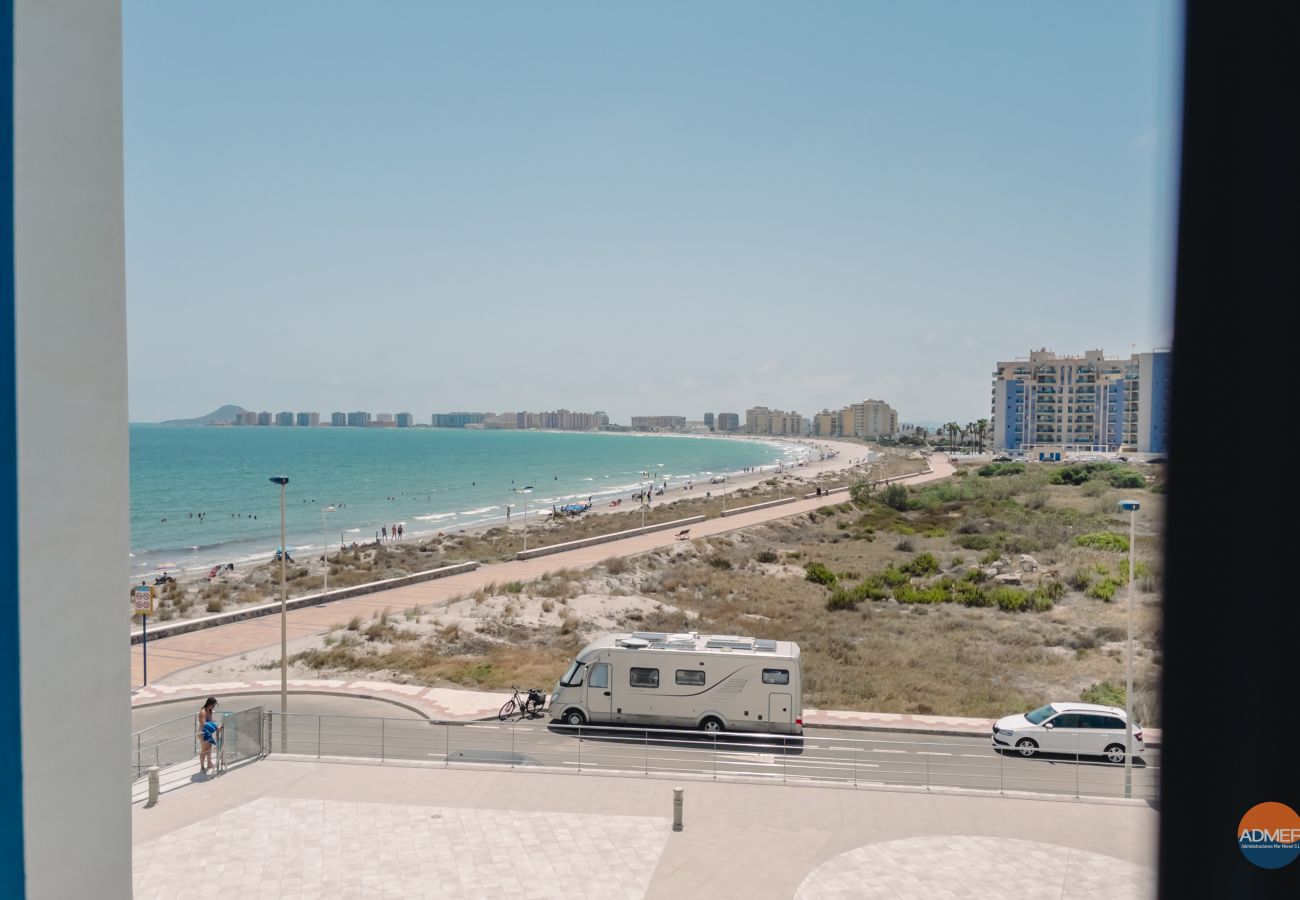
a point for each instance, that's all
(527, 706)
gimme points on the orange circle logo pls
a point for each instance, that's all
(1269, 835)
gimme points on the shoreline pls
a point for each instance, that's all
(176, 564)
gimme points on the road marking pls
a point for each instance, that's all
(930, 753)
(489, 727)
(878, 750)
(976, 755)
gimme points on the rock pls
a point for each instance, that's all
(990, 572)
(1028, 563)
(1009, 578)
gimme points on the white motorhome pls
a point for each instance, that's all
(713, 682)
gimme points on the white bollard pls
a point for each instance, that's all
(677, 809)
(153, 787)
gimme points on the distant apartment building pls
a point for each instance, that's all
(405, 420)
(308, 419)
(1051, 403)
(868, 419)
(658, 423)
(457, 419)
(697, 427)
(761, 420)
(338, 419)
(247, 418)
(708, 421)
(556, 419)
(264, 418)
(283, 419)
(826, 424)
(358, 419)
(728, 422)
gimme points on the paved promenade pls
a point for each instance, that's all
(305, 829)
(173, 654)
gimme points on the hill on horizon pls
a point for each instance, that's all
(227, 413)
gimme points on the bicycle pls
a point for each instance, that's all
(528, 706)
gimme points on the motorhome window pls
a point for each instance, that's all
(643, 678)
(690, 676)
(573, 677)
(599, 676)
(776, 676)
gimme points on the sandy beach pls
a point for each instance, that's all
(195, 594)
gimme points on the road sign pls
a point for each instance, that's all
(142, 600)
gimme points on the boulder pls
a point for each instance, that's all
(1028, 563)
(1009, 578)
(990, 572)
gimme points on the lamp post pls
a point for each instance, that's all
(525, 491)
(283, 480)
(326, 544)
(1131, 507)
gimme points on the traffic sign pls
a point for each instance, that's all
(142, 600)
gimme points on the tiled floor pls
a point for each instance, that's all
(299, 848)
(938, 868)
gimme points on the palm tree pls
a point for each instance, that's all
(981, 429)
(952, 428)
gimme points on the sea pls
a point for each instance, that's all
(201, 496)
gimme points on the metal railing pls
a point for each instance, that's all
(922, 762)
(177, 741)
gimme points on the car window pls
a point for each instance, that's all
(643, 678)
(600, 675)
(1037, 716)
(1066, 720)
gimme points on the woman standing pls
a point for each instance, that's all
(209, 733)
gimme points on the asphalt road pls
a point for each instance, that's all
(827, 755)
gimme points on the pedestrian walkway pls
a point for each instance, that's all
(173, 654)
(297, 829)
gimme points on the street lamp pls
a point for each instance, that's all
(526, 490)
(326, 538)
(1131, 507)
(283, 480)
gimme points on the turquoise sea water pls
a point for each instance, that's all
(427, 479)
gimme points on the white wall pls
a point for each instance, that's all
(70, 335)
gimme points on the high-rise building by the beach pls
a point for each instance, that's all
(284, 418)
(658, 423)
(264, 418)
(1047, 403)
(308, 419)
(338, 419)
(248, 417)
(868, 419)
(358, 419)
(405, 420)
(708, 421)
(761, 420)
(826, 423)
(457, 419)
(728, 422)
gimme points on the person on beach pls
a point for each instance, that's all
(210, 732)
(384, 529)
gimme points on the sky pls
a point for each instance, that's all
(657, 208)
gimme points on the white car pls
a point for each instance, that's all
(1072, 728)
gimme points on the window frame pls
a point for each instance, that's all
(691, 673)
(631, 674)
(775, 672)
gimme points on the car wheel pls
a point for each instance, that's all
(1026, 747)
(712, 723)
(574, 717)
(1115, 753)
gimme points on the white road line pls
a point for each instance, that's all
(929, 753)
(488, 727)
(976, 755)
(878, 750)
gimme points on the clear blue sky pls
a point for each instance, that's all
(655, 208)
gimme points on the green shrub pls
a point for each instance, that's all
(1104, 590)
(861, 492)
(1054, 590)
(990, 558)
(977, 541)
(517, 587)
(1105, 693)
(1079, 579)
(922, 564)
(968, 593)
(841, 599)
(819, 574)
(893, 576)
(1040, 600)
(767, 556)
(895, 497)
(1126, 480)
(1008, 599)
(935, 532)
(721, 562)
(905, 546)
(1109, 541)
(996, 470)
(903, 528)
